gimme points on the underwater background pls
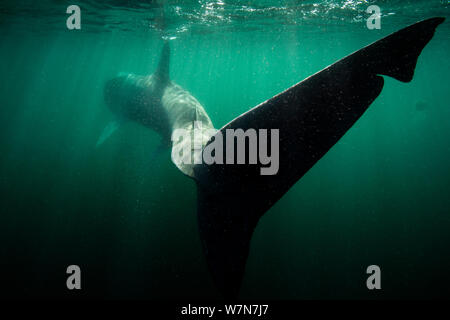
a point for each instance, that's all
(380, 196)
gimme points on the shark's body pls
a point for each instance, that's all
(311, 116)
(160, 104)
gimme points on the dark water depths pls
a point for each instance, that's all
(380, 196)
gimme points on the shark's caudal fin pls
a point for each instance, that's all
(311, 117)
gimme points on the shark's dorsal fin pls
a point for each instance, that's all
(311, 117)
(162, 71)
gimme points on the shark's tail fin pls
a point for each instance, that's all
(396, 55)
(311, 117)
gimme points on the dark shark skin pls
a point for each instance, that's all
(311, 116)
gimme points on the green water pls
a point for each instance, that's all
(380, 196)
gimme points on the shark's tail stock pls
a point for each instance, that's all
(311, 117)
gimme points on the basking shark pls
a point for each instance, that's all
(311, 116)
